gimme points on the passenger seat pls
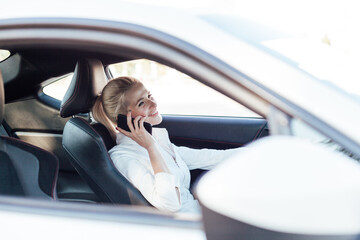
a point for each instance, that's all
(25, 170)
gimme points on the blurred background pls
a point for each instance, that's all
(333, 22)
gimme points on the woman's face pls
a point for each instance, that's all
(142, 103)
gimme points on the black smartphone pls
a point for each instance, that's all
(122, 123)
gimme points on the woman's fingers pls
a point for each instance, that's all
(137, 123)
(141, 123)
(138, 132)
(129, 122)
(126, 133)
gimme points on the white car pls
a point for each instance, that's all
(297, 176)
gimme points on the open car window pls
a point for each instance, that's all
(57, 88)
(4, 54)
(178, 93)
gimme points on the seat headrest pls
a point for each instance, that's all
(2, 99)
(87, 83)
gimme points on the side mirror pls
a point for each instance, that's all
(282, 187)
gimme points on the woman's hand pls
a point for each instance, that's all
(145, 139)
(138, 132)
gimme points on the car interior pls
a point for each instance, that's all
(26, 170)
(66, 146)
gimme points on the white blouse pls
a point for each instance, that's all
(133, 162)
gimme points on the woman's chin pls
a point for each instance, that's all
(155, 120)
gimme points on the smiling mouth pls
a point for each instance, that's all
(154, 114)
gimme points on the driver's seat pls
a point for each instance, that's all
(87, 144)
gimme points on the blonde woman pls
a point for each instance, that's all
(155, 166)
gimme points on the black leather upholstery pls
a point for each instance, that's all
(25, 170)
(80, 96)
(2, 99)
(87, 145)
(88, 152)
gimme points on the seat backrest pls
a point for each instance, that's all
(25, 170)
(87, 145)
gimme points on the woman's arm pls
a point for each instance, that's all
(204, 158)
(143, 138)
(156, 188)
(158, 164)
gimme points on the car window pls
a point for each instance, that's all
(178, 93)
(57, 88)
(4, 54)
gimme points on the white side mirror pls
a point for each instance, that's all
(282, 187)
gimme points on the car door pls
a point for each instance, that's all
(213, 133)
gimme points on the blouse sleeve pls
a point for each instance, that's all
(158, 189)
(203, 158)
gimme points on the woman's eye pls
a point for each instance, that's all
(140, 104)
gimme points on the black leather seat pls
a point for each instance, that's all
(25, 170)
(87, 145)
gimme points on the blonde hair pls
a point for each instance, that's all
(112, 102)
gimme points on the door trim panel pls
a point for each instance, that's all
(213, 132)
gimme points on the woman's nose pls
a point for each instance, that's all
(152, 103)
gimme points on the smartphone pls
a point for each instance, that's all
(122, 123)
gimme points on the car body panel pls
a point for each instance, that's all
(60, 220)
